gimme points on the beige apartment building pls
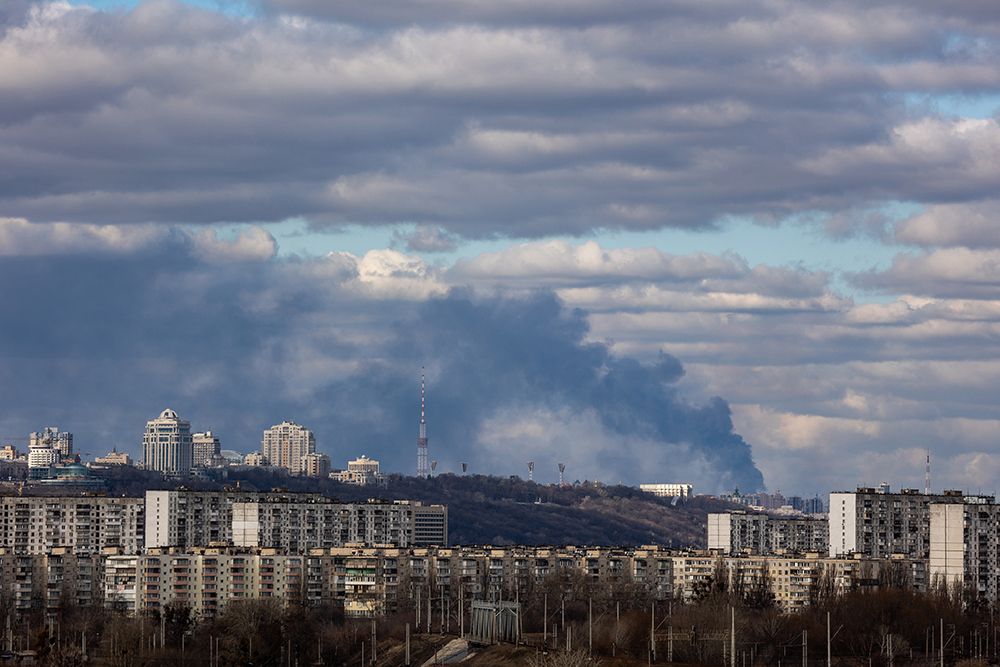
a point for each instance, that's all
(369, 581)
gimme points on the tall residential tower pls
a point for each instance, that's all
(285, 444)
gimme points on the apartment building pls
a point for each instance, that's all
(50, 581)
(85, 524)
(285, 444)
(204, 446)
(366, 581)
(290, 522)
(878, 523)
(760, 534)
(965, 545)
(282, 520)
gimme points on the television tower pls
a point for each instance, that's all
(927, 478)
(422, 470)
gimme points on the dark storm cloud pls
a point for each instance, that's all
(485, 119)
(98, 346)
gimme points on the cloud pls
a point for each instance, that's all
(20, 237)
(614, 357)
(972, 224)
(947, 272)
(560, 262)
(488, 120)
(425, 239)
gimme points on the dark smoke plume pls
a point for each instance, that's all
(499, 352)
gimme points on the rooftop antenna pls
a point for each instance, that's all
(531, 470)
(927, 477)
(422, 440)
(562, 469)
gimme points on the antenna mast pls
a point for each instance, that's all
(422, 470)
(927, 478)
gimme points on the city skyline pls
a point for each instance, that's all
(743, 244)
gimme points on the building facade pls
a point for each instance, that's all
(315, 465)
(669, 490)
(370, 581)
(167, 445)
(760, 534)
(285, 444)
(204, 446)
(114, 458)
(880, 524)
(965, 546)
(51, 437)
(362, 471)
(84, 524)
(283, 520)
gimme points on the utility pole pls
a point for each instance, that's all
(732, 658)
(590, 640)
(545, 623)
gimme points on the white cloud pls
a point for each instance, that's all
(254, 244)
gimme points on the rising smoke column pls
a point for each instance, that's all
(503, 351)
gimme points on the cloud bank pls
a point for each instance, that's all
(489, 119)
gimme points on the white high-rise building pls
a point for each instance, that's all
(167, 445)
(285, 444)
(51, 437)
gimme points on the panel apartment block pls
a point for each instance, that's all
(760, 534)
(282, 520)
(367, 581)
(49, 581)
(85, 524)
(319, 523)
(879, 524)
(964, 541)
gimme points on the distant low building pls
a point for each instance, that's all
(114, 458)
(669, 490)
(254, 459)
(10, 453)
(362, 471)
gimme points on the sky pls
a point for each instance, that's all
(745, 244)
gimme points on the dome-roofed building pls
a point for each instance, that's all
(167, 445)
